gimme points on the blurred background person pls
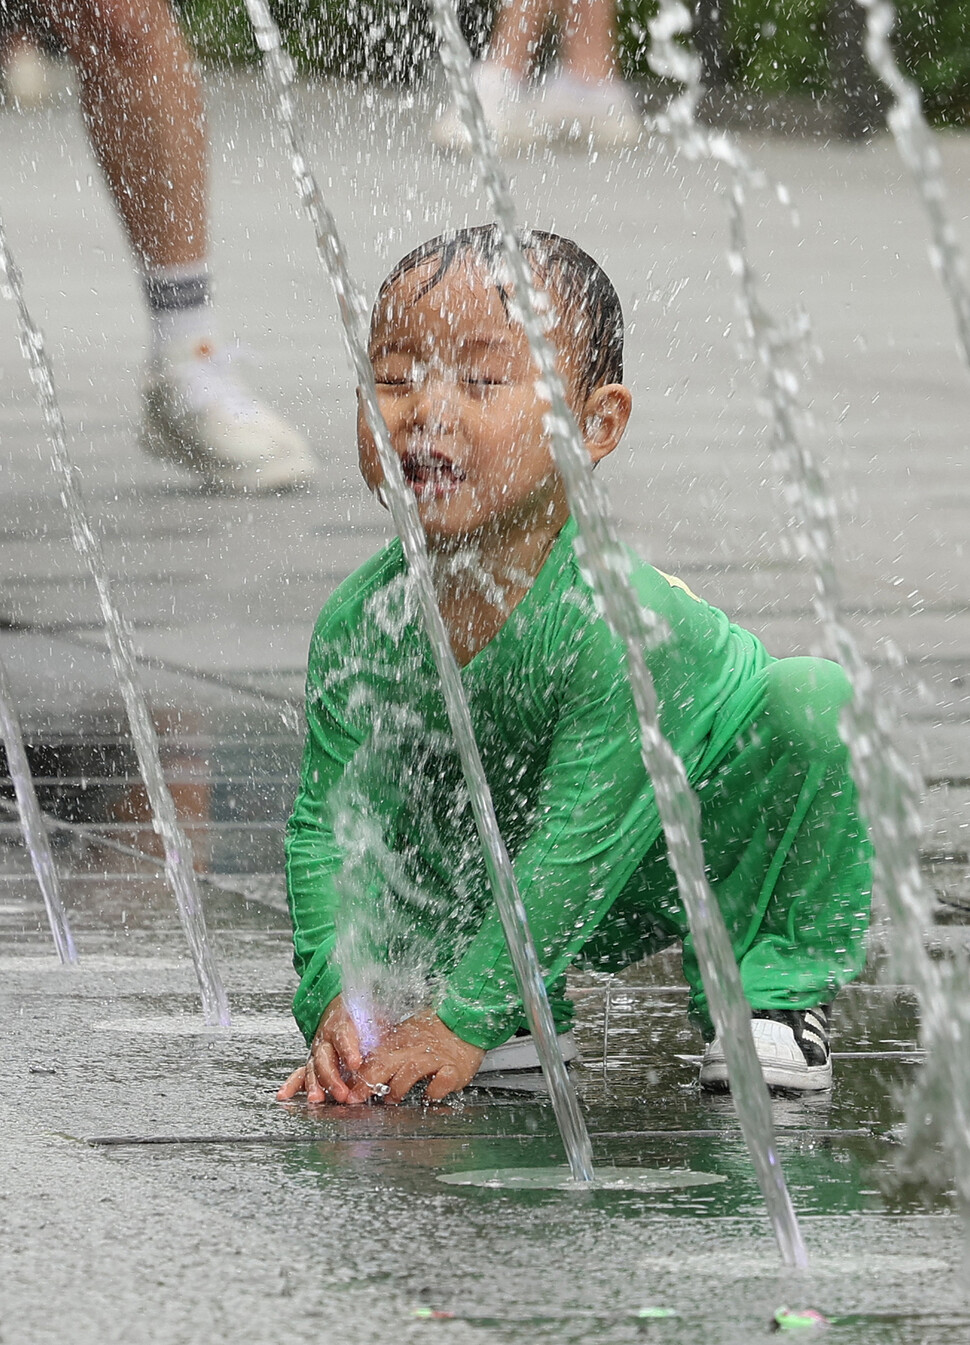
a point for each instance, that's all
(583, 99)
(142, 105)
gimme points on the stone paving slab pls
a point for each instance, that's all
(218, 1215)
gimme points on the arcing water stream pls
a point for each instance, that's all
(404, 512)
(606, 564)
(920, 153)
(938, 1111)
(32, 821)
(888, 785)
(178, 851)
(889, 789)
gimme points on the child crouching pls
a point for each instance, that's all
(787, 854)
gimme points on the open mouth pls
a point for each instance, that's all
(430, 474)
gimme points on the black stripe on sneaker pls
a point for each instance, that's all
(810, 1028)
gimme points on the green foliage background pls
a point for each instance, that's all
(779, 46)
(774, 46)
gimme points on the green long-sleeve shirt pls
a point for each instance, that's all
(382, 819)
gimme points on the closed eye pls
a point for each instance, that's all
(483, 387)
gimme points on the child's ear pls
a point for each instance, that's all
(604, 418)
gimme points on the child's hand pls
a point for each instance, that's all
(421, 1047)
(334, 1054)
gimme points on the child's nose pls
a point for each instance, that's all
(435, 401)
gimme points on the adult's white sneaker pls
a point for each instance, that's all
(501, 96)
(602, 115)
(793, 1050)
(199, 415)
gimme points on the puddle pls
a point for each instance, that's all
(608, 1178)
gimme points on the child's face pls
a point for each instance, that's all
(457, 387)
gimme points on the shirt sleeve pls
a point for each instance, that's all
(596, 818)
(313, 857)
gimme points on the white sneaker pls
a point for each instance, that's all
(602, 115)
(199, 415)
(792, 1046)
(500, 95)
(519, 1053)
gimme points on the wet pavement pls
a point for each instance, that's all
(151, 1184)
(150, 1187)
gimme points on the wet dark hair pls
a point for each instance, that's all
(580, 289)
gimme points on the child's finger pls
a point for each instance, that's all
(323, 1075)
(447, 1080)
(296, 1083)
(365, 1089)
(380, 1068)
(404, 1080)
(347, 1042)
(314, 1092)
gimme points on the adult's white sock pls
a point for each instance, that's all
(179, 307)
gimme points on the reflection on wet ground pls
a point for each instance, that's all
(168, 1180)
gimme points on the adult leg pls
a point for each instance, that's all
(589, 41)
(501, 79)
(142, 105)
(143, 110)
(587, 99)
(518, 31)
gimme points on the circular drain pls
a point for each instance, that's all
(195, 1027)
(559, 1179)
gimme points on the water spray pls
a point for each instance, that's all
(889, 787)
(178, 851)
(921, 155)
(32, 822)
(607, 566)
(404, 513)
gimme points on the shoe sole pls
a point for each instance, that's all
(157, 440)
(714, 1078)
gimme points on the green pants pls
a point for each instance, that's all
(787, 855)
